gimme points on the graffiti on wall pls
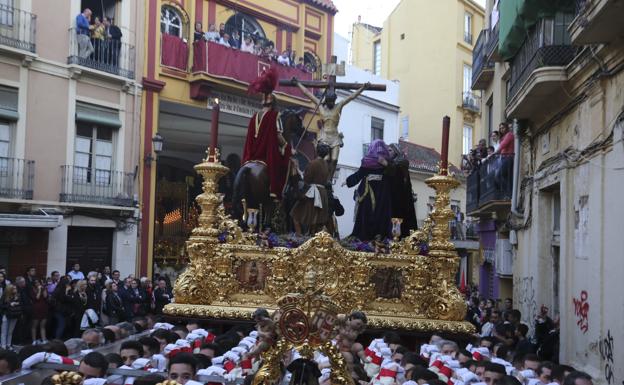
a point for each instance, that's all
(606, 353)
(526, 297)
(581, 311)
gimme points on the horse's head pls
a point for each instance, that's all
(292, 122)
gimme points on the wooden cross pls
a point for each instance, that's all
(330, 71)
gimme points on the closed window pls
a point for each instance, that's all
(467, 139)
(467, 87)
(468, 28)
(170, 21)
(377, 58)
(6, 13)
(5, 139)
(377, 128)
(93, 158)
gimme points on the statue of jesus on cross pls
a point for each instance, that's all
(328, 109)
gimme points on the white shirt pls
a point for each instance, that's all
(285, 60)
(224, 42)
(76, 274)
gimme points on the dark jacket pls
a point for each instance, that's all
(114, 306)
(62, 301)
(79, 305)
(94, 297)
(161, 298)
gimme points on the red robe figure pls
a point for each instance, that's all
(265, 142)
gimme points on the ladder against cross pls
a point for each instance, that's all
(330, 71)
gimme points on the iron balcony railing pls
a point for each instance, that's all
(104, 187)
(491, 180)
(18, 28)
(16, 178)
(471, 101)
(479, 56)
(106, 55)
(580, 6)
(543, 48)
(492, 41)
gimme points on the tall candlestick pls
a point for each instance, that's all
(446, 125)
(214, 130)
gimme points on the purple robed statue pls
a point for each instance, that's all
(373, 196)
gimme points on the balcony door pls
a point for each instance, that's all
(6, 13)
(93, 160)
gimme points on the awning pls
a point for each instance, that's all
(518, 16)
(31, 220)
(90, 113)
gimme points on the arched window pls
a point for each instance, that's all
(171, 21)
(244, 24)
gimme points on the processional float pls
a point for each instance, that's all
(231, 273)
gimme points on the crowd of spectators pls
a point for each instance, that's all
(35, 309)
(188, 353)
(98, 39)
(501, 147)
(251, 43)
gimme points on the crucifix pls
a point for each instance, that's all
(328, 109)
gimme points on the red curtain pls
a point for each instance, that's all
(225, 62)
(174, 52)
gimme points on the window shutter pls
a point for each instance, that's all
(102, 116)
(8, 103)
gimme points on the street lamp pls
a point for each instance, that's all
(157, 146)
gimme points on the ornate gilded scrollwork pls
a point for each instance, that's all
(424, 296)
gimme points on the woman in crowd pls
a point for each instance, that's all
(98, 35)
(198, 34)
(11, 309)
(80, 300)
(39, 298)
(148, 288)
(104, 319)
(373, 196)
(212, 34)
(137, 298)
(114, 307)
(62, 300)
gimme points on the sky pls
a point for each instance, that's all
(373, 12)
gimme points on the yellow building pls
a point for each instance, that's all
(181, 78)
(427, 46)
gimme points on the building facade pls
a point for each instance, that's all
(183, 77)
(561, 77)
(427, 46)
(69, 125)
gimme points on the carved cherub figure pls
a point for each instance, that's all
(349, 328)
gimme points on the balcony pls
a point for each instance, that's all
(482, 68)
(213, 61)
(597, 21)
(489, 186)
(538, 70)
(491, 48)
(471, 102)
(17, 28)
(16, 178)
(108, 56)
(101, 187)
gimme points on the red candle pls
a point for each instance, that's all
(214, 129)
(446, 125)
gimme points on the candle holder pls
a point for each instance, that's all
(252, 219)
(396, 228)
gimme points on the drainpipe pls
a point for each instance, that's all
(516, 170)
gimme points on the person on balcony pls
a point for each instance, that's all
(98, 38)
(225, 40)
(506, 150)
(235, 41)
(113, 36)
(507, 140)
(247, 45)
(83, 30)
(495, 139)
(221, 30)
(284, 58)
(373, 210)
(198, 34)
(212, 34)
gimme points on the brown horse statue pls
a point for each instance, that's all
(251, 184)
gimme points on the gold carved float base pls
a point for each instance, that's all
(230, 274)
